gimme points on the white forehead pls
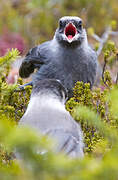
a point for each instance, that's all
(70, 18)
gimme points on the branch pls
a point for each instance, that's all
(114, 33)
(103, 79)
(117, 78)
(103, 39)
(96, 37)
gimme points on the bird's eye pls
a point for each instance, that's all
(60, 24)
(80, 25)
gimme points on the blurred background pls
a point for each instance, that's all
(26, 23)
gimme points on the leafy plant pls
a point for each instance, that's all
(95, 109)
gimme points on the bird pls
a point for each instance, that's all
(67, 57)
(46, 114)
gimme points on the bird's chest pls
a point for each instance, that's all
(72, 62)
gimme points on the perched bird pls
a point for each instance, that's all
(46, 113)
(67, 57)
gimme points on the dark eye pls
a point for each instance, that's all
(60, 24)
(80, 25)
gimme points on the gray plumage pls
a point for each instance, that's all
(67, 57)
(47, 114)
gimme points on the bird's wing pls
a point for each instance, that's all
(67, 143)
(33, 59)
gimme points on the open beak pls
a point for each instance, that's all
(70, 32)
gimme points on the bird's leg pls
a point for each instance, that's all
(27, 84)
(22, 87)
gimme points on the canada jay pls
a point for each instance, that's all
(67, 57)
(47, 114)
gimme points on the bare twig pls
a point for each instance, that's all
(114, 33)
(104, 66)
(96, 37)
(117, 78)
(103, 71)
(103, 39)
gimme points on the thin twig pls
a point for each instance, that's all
(96, 37)
(103, 71)
(103, 39)
(104, 66)
(114, 33)
(117, 78)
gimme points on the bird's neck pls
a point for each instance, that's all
(46, 100)
(83, 45)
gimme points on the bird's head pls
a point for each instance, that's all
(70, 30)
(50, 86)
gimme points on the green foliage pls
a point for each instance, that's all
(12, 102)
(97, 101)
(36, 20)
(9, 57)
(6, 60)
(113, 24)
(90, 31)
(56, 166)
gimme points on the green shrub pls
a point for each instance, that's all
(96, 110)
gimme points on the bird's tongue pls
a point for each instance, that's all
(70, 36)
(70, 31)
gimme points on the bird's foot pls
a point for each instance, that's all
(22, 87)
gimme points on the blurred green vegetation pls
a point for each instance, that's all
(36, 20)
